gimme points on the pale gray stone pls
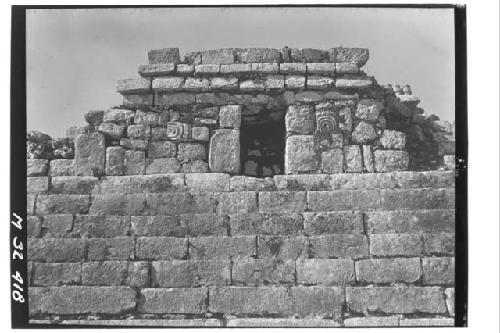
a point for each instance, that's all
(300, 155)
(224, 152)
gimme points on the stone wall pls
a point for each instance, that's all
(146, 216)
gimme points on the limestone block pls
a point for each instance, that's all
(162, 149)
(230, 116)
(195, 166)
(275, 82)
(200, 133)
(191, 151)
(352, 156)
(319, 82)
(36, 167)
(167, 83)
(320, 68)
(112, 130)
(219, 56)
(369, 110)
(252, 85)
(206, 69)
(295, 82)
(191, 58)
(174, 99)
(196, 84)
(94, 117)
(62, 167)
(260, 55)
(119, 116)
(224, 151)
(138, 100)
(235, 68)
(309, 96)
(346, 68)
(140, 131)
(300, 119)
(156, 69)
(90, 154)
(391, 160)
(147, 118)
(268, 68)
(368, 158)
(134, 86)
(224, 83)
(360, 83)
(165, 55)
(393, 139)
(300, 155)
(162, 165)
(309, 55)
(185, 68)
(357, 56)
(332, 161)
(292, 68)
(134, 162)
(134, 144)
(114, 160)
(364, 133)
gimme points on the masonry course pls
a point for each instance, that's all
(161, 211)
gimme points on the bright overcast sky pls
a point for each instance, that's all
(75, 57)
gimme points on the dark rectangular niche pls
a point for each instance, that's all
(263, 144)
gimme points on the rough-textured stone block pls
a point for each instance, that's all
(191, 58)
(252, 85)
(339, 246)
(320, 82)
(141, 184)
(224, 83)
(134, 144)
(133, 86)
(118, 204)
(395, 299)
(201, 133)
(393, 270)
(318, 301)
(361, 181)
(62, 168)
(62, 204)
(320, 68)
(283, 247)
(37, 184)
(450, 301)
(390, 160)
(293, 68)
(249, 300)
(309, 96)
(300, 119)
(222, 247)
(325, 271)
(368, 158)
(332, 161)
(274, 82)
(138, 274)
(411, 221)
(282, 202)
(191, 151)
(254, 272)
(134, 162)
(369, 109)
(300, 155)
(196, 84)
(230, 116)
(112, 130)
(219, 56)
(138, 100)
(428, 322)
(342, 200)
(210, 182)
(114, 161)
(265, 224)
(393, 139)
(304, 182)
(442, 243)
(90, 154)
(386, 321)
(60, 225)
(164, 56)
(342, 222)
(162, 166)
(195, 166)
(205, 69)
(160, 226)
(433, 179)
(162, 149)
(79, 300)
(235, 68)
(139, 131)
(396, 244)
(244, 183)
(34, 227)
(101, 226)
(73, 184)
(104, 273)
(364, 133)
(56, 274)
(182, 300)
(353, 159)
(185, 69)
(417, 199)
(191, 273)
(360, 83)
(161, 204)
(119, 248)
(358, 56)
(268, 68)
(439, 270)
(346, 67)
(174, 99)
(161, 248)
(156, 69)
(264, 55)
(119, 116)
(56, 250)
(295, 82)
(146, 118)
(281, 322)
(30, 203)
(224, 152)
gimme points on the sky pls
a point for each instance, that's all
(75, 56)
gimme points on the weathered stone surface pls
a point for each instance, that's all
(293, 68)
(230, 116)
(450, 301)
(396, 244)
(255, 272)
(368, 158)
(342, 200)
(73, 184)
(138, 274)
(114, 161)
(133, 86)
(179, 225)
(274, 82)
(300, 155)
(318, 301)
(259, 55)
(134, 162)
(210, 182)
(191, 273)
(162, 166)
(432, 322)
(174, 99)
(113, 130)
(101, 226)
(34, 227)
(295, 82)
(358, 56)
(191, 58)
(265, 224)
(320, 82)
(83, 300)
(61, 167)
(283, 247)
(218, 56)
(119, 248)
(38, 145)
(140, 131)
(300, 119)
(386, 321)
(252, 85)
(449, 162)
(309, 55)
(161, 204)
(342, 222)
(162, 149)
(393, 139)
(369, 110)
(62, 148)
(56, 249)
(443, 243)
(104, 273)
(332, 161)
(304, 182)
(281, 322)
(222, 247)
(62, 204)
(141, 184)
(393, 270)
(244, 183)
(37, 184)
(251, 300)
(181, 300)
(30, 203)
(162, 248)
(391, 160)
(73, 131)
(360, 83)
(205, 69)
(346, 67)
(268, 68)
(94, 117)
(134, 144)
(59, 225)
(422, 198)
(56, 274)
(439, 270)
(321, 68)
(396, 299)
(168, 83)
(147, 118)
(191, 151)
(364, 133)
(352, 155)
(235, 68)
(90, 154)
(224, 152)
(339, 246)
(282, 202)
(195, 166)
(196, 322)
(224, 83)
(36, 167)
(196, 84)
(165, 55)
(160, 69)
(201, 133)
(325, 271)
(411, 221)
(138, 100)
(309, 96)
